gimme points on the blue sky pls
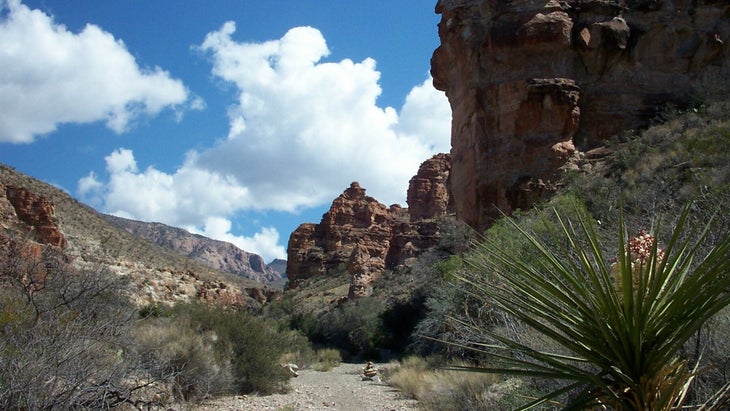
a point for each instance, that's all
(234, 119)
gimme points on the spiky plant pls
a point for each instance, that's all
(620, 328)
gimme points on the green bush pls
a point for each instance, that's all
(355, 327)
(297, 348)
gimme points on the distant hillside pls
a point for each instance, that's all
(157, 274)
(213, 253)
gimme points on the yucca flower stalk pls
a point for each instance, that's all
(622, 327)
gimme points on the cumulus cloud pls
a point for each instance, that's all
(300, 131)
(52, 76)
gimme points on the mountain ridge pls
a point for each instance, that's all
(217, 254)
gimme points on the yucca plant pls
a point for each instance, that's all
(620, 326)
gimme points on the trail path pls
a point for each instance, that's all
(340, 389)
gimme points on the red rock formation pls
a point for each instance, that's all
(428, 192)
(353, 236)
(219, 293)
(527, 80)
(362, 237)
(36, 212)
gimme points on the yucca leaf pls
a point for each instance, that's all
(629, 329)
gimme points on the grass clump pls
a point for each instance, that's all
(443, 387)
(327, 359)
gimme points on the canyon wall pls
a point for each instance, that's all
(531, 81)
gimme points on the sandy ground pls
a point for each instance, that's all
(340, 389)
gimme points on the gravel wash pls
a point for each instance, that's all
(340, 389)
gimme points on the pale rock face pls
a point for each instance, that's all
(529, 81)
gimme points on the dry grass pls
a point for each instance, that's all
(439, 388)
(327, 359)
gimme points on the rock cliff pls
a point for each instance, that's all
(36, 212)
(362, 237)
(530, 81)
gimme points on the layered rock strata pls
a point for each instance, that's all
(529, 81)
(362, 237)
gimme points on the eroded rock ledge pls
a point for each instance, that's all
(530, 81)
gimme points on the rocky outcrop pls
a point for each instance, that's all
(37, 213)
(216, 254)
(353, 237)
(530, 81)
(362, 237)
(428, 190)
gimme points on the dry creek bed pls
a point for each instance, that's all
(340, 389)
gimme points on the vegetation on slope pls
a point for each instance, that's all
(648, 178)
(94, 240)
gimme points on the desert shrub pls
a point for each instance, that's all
(63, 333)
(252, 346)
(175, 353)
(297, 348)
(327, 358)
(439, 388)
(451, 303)
(153, 310)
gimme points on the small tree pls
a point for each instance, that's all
(621, 328)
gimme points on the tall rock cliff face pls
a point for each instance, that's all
(529, 81)
(362, 237)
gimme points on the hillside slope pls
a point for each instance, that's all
(156, 274)
(220, 255)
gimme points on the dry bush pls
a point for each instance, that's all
(173, 352)
(445, 388)
(63, 334)
(327, 358)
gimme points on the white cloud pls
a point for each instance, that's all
(52, 76)
(91, 189)
(185, 198)
(301, 130)
(427, 115)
